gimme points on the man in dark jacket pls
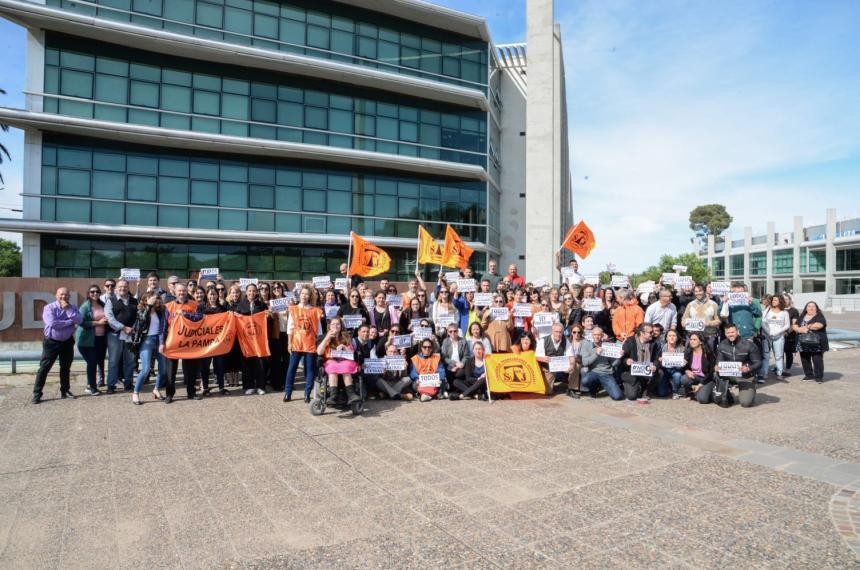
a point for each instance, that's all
(735, 349)
(121, 313)
(638, 349)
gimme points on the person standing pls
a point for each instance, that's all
(662, 312)
(492, 274)
(775, 323)
(254, 370)
(121, 313)
(91, 336)
(811, 329)
(188, 308)
(791, 336)
(60, 318)
(703, 308)
(303, 328)
(150, 328)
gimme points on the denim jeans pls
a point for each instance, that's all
(95, 358)
(777, 346)
(676, 377)
(119, 355)
(593, 381)
(147, 348)
(309, 362)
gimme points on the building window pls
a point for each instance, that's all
(848, 286)
(758, 263)
(737, 266)
(848, 259)
(783, 262)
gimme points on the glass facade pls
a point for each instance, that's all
(129, 185)
(719, 269)
(848, 259)
(848, 286)
(100, 258)
(783, 261)
(758, 263)
(315, 28)
(129, 86)
(812, 261)
(737, 266)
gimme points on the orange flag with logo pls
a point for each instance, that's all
(580, 240)
(367, 259)
(253, 333)
(456, 253)
(429, 250)
(213, 335)
(515, 372)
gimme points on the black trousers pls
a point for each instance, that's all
(469, 387)
(189, 373)
(253, 374)
(635, 386)
(813, 364)
(51, 350)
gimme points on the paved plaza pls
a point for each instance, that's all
(251, 482)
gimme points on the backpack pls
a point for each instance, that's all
(722, 395)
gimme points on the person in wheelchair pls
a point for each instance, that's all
(339, 359)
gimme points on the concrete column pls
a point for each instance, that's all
(771, 237)
(727, 255)
(830, 255)
(542, 177)
(747, 246)
(711, 247)
(31, 255)
(797, 285)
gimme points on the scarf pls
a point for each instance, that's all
(643, 350)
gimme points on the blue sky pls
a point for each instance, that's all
(753, 104)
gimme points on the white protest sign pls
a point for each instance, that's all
(415, 323)
(452, 276)
(738, 299)
(446, 319)
(673, 359)
(245, 281)
(289, 296)
(730, 369)
(420, 333)
(369, 304)
(483, 299)
(352, 321)
(331, 311)
(620, 281)
(395, 363)
(341, 283)
(611, 267)
(465, 285)
(587, 334)
(209, 273)
(680, 268)
(640, 369)
(647, 287)
(394, 300)
(402, 341)
(129, 274)
(721, 288)
(544, 319)
(429, 381)
(300, 285)
(374, 366)
(343, 354)
(522, 310)
(559, 363)
(683, 282)
(592, 305)
(694, 325)
(612, 349)
(322, 282)
(279, 305)
(592, 279)
(669, 278)
(499, 313)
(541, 283)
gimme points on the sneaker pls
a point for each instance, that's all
(92, 391)
(101, 383)
(807, 377)
(573, 394)
(642, 400)
(786, 374)
(759, 381)
(425, 397)
(676, 396)
(67, 396)
(445, 395)
(260, 391)
(223, 391)
(111, 390)
(249, 391)
(454, 396)
(36, 399)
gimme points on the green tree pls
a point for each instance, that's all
(3, 149)
(695, 268)
(10, 259)
(709, 219)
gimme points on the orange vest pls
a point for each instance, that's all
(189, 306)
(428, 365)
(306, 321)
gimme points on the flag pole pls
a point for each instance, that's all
(349, 262)
(418, 248)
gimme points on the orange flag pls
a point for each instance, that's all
(212, 335)
(456, 253)
(367, 259)
(429, 250)
(253, 333)
(580, 240)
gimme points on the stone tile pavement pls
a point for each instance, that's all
(251, 482)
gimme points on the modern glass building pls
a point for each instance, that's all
(254, 135)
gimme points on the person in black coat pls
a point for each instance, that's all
(253, 369)
(811, 329)
(213, 306)
(637, 349)
(699, 364)
(354, 306)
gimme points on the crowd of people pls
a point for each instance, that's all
(629, 344)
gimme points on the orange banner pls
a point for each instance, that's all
(457, 253)
(367, 259)
(213, 335)
(580, 240)
(253, 332)
(429, 250)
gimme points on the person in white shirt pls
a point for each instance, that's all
(571, 275)
(775, 323)
(552, 346)
(662, 311)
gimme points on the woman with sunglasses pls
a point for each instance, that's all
(354, 307)
(427, 361)
(253, 369)
(212, 306)
(569, 313)
(579, 348)
(233, 359)
(498, 331)
(91, 336)
(221, 289)
(443, 311)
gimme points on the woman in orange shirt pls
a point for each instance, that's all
(303, 328)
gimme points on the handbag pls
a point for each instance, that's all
(809, 342)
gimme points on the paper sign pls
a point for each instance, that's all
(592, 305)
(544, 319)
(420, 333)
(669, 278)
(394, 300)
(683, 282)
(483, 299)
(322, 282)
(738, 299)
(352, 321)
(612, 349)
(343, 354)
(452, 276)
(587, 334)
(541, 283)
(331, 311)
(640, 369)
(209, 273)
(620, 281)
(465, 285)
(559, 363)
(245, 281)
(374, 366)
(279, 305)
(721, 288)
(673, 359)
(647, 287)
(300, 285)
(522, 310)
(369, 304)
(130, 274)
(395, 362)
(730, 369)
(592, 279)
(429, 381)
(403, 341)
(341, 283)
(680, 268)
(415, 323)
(694, 325)
(610, 267)
(289, 296)
(499, 313)
(446, 319)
